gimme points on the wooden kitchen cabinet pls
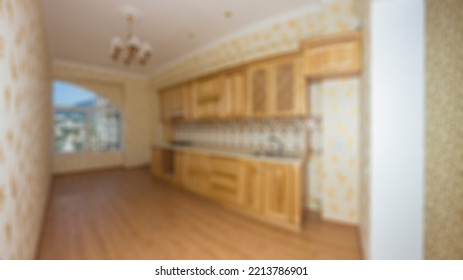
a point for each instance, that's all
(156, 159)
(271, 88)
(276, 88)
(258, 89)
(164, 105)
(225, 180)
(288, 96)
(187, 90)
(165, 164)
(234, 94)
(196, 172)
(174, 103)
(281, 193)
(271, 192)
(208, 98)
(336, 55)
(251, 186)
(179, 162)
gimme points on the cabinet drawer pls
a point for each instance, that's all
(224, 190)
(225, 166)
(224, 181)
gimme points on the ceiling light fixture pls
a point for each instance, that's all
(131, 49)
(228, 14)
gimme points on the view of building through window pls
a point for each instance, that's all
(84, 121)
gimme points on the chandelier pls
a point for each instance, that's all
(131, 49)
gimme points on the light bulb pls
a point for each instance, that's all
(134, 43)
(146, 48)
(115, 47)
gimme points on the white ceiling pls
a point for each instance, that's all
(80, 30)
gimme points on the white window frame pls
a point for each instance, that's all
(88, 111)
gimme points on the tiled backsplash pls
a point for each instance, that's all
(245, 134)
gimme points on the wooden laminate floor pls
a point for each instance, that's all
(121, 214)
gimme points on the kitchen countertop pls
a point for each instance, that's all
(235, 153)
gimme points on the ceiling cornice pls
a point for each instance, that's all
(99, 69)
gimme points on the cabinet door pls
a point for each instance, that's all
(187, 90)
(224, 179)
(279, 192)
(332, 56)
(196, 173)
(234, 94)
(174, 103)
(156, 162)
(176, 109)
(208, 98)
(258, 90)
(251, 186)
(288, 95)
(179, 167)
(165, 105)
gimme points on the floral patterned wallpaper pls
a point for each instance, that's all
(333, 175)
(340, 172)
(444, 130)
(25, 127)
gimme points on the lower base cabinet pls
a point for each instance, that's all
(196, 171)
(281, 193)
(270, 192)
(225, 180)
(252, 185)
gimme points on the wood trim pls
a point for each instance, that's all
(38, 245)
(330, 39)
(333, 74)
(137, 166)
(332, 221)
(89, 170)
(360, 242)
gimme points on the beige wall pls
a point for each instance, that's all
(132, 95)
(444, 130)
(25, 127)
(333, 179)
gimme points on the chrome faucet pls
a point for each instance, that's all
(281, 145)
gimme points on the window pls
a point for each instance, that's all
(84, 122)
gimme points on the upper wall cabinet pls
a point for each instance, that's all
(276, 88)
(258, 89)
(336, 55)
(208, 98)
(289, 96)
(164, 104)
(175, 104)
(234, 94)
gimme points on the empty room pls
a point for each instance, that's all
(231, 130)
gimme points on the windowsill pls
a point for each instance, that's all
(84, 153)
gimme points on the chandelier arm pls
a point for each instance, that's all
(130, 22)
